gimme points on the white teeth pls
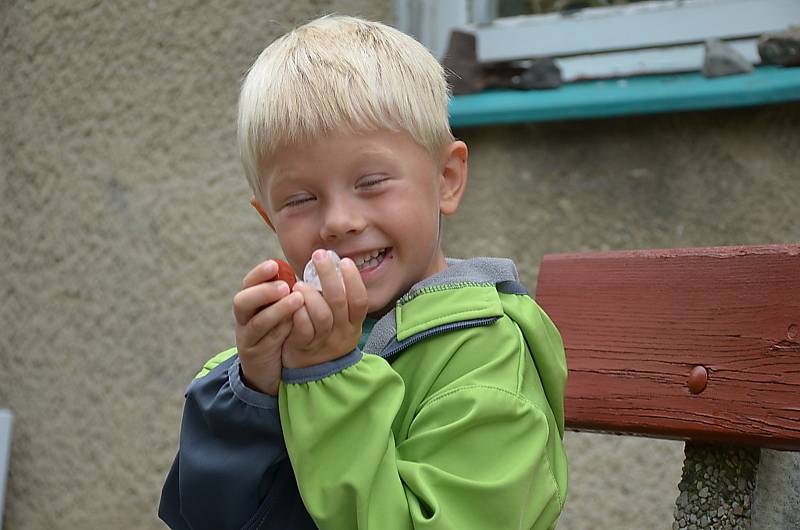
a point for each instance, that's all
(371, 259)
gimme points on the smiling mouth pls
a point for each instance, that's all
(370, 259)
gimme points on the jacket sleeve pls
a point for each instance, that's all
(475, 455)
(231, 469)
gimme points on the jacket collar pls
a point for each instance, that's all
(472, 300)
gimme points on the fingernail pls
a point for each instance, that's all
(283, 288)
(319, 254)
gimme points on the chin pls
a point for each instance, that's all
(376, 311)
(382, 298)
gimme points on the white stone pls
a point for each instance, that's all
(310, 275)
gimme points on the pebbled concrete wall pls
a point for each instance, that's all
(125, 231)
(776, 503)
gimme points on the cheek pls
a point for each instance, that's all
(422, 216)
(296, 240)
(409, 208)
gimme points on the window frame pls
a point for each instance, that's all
(657, 38)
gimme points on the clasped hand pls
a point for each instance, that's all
(275, 328)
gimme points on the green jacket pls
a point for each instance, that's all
(452, 417)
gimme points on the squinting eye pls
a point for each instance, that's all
(297, 201)
(372, 181)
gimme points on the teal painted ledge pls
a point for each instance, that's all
(632, 95)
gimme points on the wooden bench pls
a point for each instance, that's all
(698, 344)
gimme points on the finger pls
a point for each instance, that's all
(262, 272)
(357, 299)
(319, 312)
(268, 318)
(250, 300)
(274, 337)
(302, 328)
(332, 288)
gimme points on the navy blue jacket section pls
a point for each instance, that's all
(225, 433)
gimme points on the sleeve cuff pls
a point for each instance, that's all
(322, 370)
(247, 394)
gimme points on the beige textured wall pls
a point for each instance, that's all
(124, 232)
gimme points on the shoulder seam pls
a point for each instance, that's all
(441, 395)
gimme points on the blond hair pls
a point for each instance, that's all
(340, 72)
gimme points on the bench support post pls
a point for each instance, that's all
(716, 487)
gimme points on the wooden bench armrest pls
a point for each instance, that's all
(636, 324)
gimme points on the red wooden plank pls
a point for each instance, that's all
(636, 323)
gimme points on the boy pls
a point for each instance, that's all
(443, 408)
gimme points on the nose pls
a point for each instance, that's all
(341, 218)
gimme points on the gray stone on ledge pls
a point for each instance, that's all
(720, 59)
(781, 48)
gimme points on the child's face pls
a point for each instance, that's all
(374, 197)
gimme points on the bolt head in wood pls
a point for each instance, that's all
(698, 379)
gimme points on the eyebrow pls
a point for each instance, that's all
(362, 155)
(277, 176)
(278, 179)
(373, 150)
(371, 153)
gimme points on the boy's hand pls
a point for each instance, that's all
(263, 311)
(328, 325)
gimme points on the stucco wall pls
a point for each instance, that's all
(125, 231)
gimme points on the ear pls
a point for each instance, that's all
(261, 211)
(453, 177)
